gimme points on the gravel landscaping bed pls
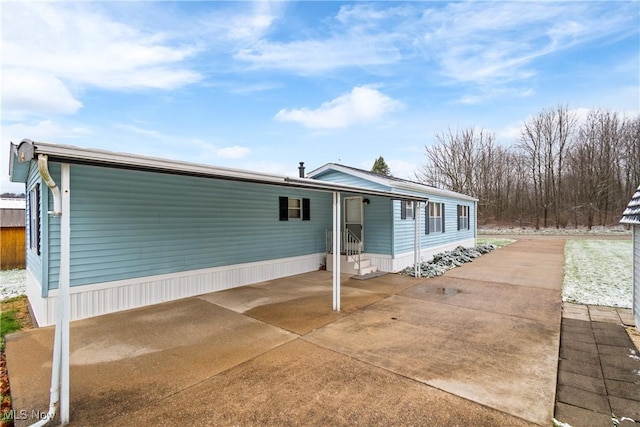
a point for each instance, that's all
(444, 261)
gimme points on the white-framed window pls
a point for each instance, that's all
(406, 209)
(463, 217)
(34, 219)
(294, 208)
(435, 224)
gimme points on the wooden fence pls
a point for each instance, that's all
(12, 248)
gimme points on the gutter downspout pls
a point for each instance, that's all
(417, 244)
(43, 168)
(62, 316)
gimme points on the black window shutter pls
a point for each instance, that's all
(284, 208)
(38, 201)
(403, 209)
(426, 219)
(306, 209)
(459, 213)
(442, 206)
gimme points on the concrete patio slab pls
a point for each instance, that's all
(300, 383)
(493, 297)
(528, 262)
(122, 361)
(471, 353)
(301, 304)
(276, 354)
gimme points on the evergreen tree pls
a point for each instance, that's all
(381, 167)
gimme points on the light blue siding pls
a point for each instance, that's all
(378, 222)
(34, 262)
(128, 224)
(451, 233)
(405, 231)
(387, 233)
(345, 179)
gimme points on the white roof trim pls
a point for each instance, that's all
(87, 156)
(406, 185)
(349, 171)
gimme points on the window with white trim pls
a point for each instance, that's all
(463, 217)
(294, 208)
(435, 224)
(406, 209)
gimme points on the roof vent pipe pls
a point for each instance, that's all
(55, 190)
(301, 169)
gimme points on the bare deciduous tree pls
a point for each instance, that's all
(558, 172)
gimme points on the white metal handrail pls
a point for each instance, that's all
(351, 245)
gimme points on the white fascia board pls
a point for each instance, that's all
(106, 158)
(66, 153)
(349, 171)
(425, 189)
(330, 186)
(415, 189)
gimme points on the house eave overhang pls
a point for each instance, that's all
(18, 172)
(432, 191)
(103, 158)
(413, 187)
(333, 166)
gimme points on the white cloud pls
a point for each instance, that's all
(53, 50)
(229, 27)
(43, 130)
(356, 38)
(497, 43)
(208, 151)
(318, 56)
(363, 104)
(234, 152)
(35, 92)
(214, 153)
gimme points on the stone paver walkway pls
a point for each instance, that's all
(599, 368)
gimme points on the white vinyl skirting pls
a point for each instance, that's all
(102, 298)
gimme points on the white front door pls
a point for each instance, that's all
(353, 216)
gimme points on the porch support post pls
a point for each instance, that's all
(63, 292)
(416, 240)
(336, 250)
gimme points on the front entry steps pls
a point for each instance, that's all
(348, 265)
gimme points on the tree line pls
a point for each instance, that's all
(560, 172)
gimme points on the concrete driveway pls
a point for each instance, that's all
(478, 346)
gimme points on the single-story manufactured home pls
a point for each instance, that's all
(126, 231)
(631, 216)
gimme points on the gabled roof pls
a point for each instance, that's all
(22, 155)
(411, 187)
(631, 215)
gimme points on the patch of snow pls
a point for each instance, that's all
(595, 231)
(598, 272)
(557, 423)
(444, 261)
(12, 283)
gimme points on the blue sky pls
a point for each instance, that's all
(262, 86)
